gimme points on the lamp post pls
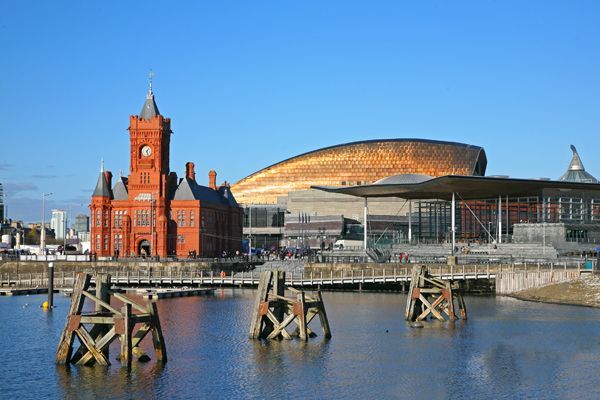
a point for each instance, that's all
(43, 230)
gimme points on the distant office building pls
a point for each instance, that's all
(82, 223)
(83, 236)
(59, 223)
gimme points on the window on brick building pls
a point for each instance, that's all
(181, 218)
(98, 218)
(192, 222)
(98, 243)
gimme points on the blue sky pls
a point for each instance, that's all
(250, 83)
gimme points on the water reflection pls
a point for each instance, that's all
(507, 349)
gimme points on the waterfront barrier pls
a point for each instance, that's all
(378, 274)
(516, 281)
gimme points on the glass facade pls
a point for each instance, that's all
(264, 216)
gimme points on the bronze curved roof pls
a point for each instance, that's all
(359, 163)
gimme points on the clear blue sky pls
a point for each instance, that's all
(250, 83)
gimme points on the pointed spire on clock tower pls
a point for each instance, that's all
(150, 109)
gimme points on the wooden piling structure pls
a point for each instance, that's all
(433, 297)
(273, 312)
(97, 329)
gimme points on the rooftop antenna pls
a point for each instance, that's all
(102, 165)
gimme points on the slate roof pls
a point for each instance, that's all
(228, 196)
(150, 109)
(190, 190)
(102, 189)
(120, 189)
(576, 172)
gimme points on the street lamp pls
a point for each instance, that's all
(43, 230)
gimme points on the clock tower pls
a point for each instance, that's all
(149, 145)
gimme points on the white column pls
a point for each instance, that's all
(499, 219)
(250, 233)
(453, 223)
(365, 229)
(409, 221)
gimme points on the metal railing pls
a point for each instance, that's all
(394, 274)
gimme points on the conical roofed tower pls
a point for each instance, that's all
(576, 172)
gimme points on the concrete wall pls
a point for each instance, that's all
(552, 234)
(35, 267)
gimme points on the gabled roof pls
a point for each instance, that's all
(189, 189)
(102, 189)
(120, 189)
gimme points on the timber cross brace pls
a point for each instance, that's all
(97, 329)
(430, 296)
(273, 312)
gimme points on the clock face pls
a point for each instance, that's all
(146, 151)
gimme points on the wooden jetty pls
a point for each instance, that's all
(433, 297)
(273, 312)
(508, 278)
(96, 330)
(21, 292)
(153, 294)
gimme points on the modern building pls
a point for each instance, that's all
(425, 219)
(359, 163)
(82, 223)
(152, 211)
(58, 223)
(286, 186)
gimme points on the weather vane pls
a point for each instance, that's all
(150, 76)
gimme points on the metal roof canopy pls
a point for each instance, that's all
(468, 188)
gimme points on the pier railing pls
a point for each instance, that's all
(509, 278)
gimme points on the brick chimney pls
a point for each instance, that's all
(189, 171)
(108, 177)
(212, 179)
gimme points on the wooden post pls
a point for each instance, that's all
(261, 297)
(65, 345)
(323, 316)
(160, 350)
(126, 335)
(102, 286)
(302, 316)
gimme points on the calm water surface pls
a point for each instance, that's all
(508, 349)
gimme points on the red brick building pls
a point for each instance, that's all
(152, 211)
